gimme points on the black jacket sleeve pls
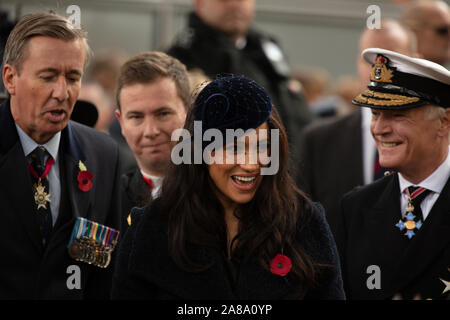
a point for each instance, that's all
(128, 284)
(319, 243)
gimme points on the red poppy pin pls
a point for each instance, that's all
(280, 265)
(84, 178)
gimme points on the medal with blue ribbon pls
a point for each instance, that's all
(411, 222)
(92, 242)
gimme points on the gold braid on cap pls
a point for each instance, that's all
(384, 99)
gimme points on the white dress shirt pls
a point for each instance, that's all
(434, 182)
(52, 147)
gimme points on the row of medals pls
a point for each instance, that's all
(90, 251)
(84, 249)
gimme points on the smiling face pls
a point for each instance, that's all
(236, 183)
(150, 112)
(408, 142)
(44, 93)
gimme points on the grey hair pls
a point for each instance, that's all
(434, 112)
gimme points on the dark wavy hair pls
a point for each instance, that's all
(268, 224)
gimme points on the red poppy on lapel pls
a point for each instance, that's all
(84, 178)
(280, 265)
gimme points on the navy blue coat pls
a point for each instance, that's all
(146, 271)
(27, 269)
(367, 236)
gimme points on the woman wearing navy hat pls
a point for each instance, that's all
(224, 230)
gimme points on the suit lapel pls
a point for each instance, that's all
(138, 190)
(19, 193)
(355, 141)
(386, 242)
(17, 186)
(428, 243)
(72, 154)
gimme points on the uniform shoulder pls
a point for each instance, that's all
(148, 216)
(147, 231)
(370, 190)
(90, 135)
(262, 35)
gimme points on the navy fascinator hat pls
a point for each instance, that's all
(232, 102)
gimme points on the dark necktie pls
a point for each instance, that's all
(39, 171)
(417, 195)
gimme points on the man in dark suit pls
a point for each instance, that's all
(339, 154)
(394, 234)
(219, 39)
(53, 170)
(153, 94)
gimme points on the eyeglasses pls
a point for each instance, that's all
(442, 31)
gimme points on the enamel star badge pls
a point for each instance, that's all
(409, 224)
(41, 198)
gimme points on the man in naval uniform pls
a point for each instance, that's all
(53, 170)
(394, 234)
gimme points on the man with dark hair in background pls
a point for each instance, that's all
(152, 96)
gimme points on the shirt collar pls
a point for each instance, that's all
(29, 144)
(157, 181)
(366, 115)
(434, 182)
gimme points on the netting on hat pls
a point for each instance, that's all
(232, 102)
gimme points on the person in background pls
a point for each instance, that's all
(393, 234)
(95, 94)
(345, 89)
(53, 170)
(219, 39)
(6, 25)
(153, 94)
(315, 86)
(430, 21)
(340, 154)
(226, 229)
(104, 71)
